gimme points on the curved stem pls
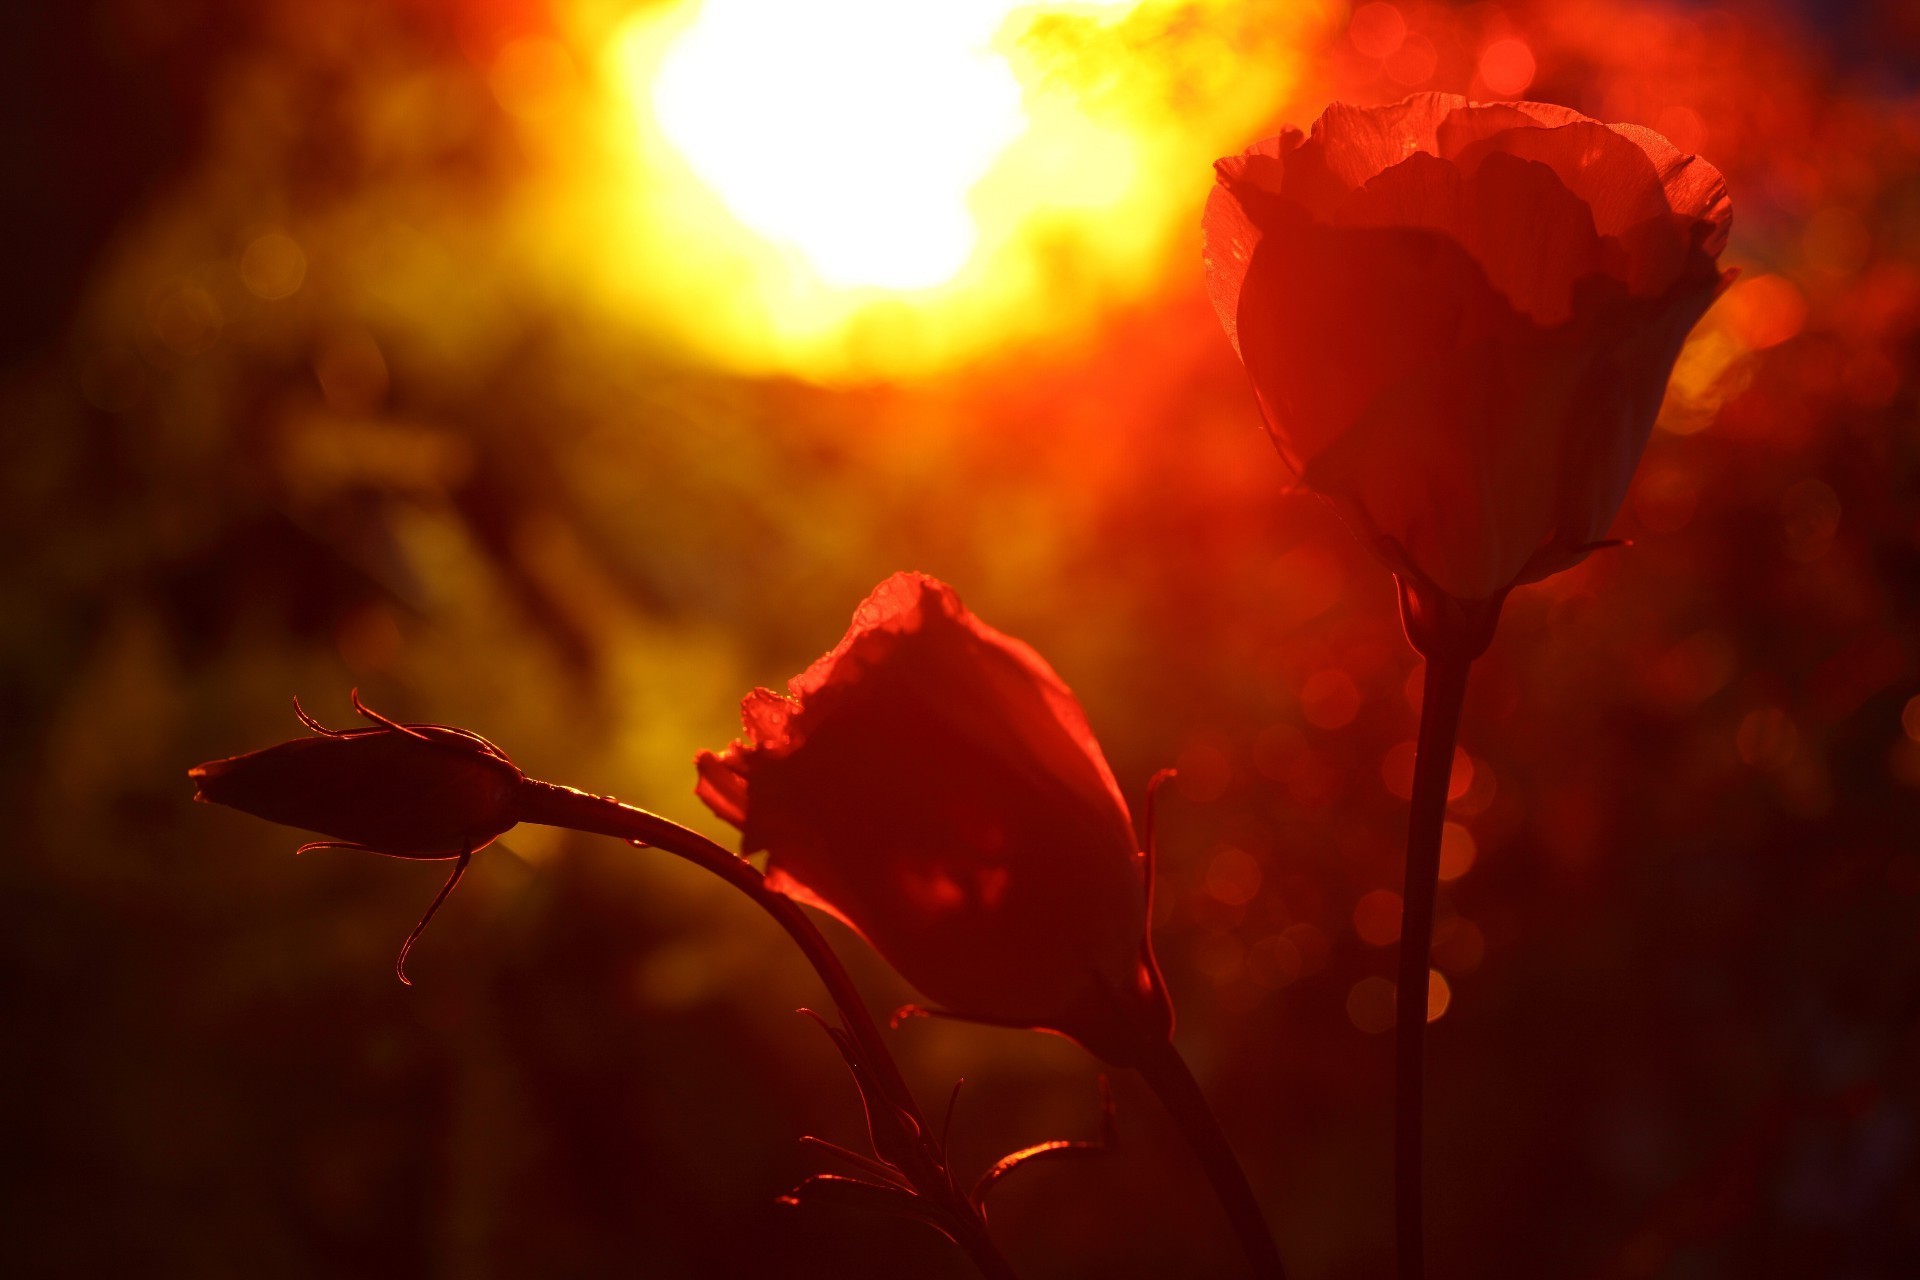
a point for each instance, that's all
(1444, 691)
(553, 805)
(1167, 1073)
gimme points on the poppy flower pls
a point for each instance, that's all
(1459, 319)
(933, 784)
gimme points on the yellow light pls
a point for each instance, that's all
(852, 130)
(851, 189)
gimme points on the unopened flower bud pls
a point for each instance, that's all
(422, 791)
(410, 791)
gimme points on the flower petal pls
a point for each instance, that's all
(1606, 170)
(1449, 463)
(1349, 145)
(934, 784)
(1452, 462)
(1617, 170)
(985, 891)
(1695, 189)
(1331, 316)
(1532, 236)
(1459, 320)
(1228, 232)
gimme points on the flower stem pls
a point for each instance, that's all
(554, 805)
(1444, 691)
(1168, 1075)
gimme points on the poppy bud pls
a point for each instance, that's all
(422, 791)
(933, 784)
(1459, 319)
(409, 791)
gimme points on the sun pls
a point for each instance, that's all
(860, 189)
(851, 131)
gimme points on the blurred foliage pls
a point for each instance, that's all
(287, 416)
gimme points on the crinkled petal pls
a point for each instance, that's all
(1532, 237)
(1694, 189)
(1459, 320)
(934, 784)
(1228, 231)
(1642, 192)
(1601, 167)
(1349, 145)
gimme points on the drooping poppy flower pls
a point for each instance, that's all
(1459, 319)
(933, 784)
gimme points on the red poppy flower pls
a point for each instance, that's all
(1459, 319)
(934, 784)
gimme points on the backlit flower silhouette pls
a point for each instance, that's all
(421, 791)
(934, 784)
(1459, 319)
(437, 792)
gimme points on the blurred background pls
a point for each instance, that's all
(562, 369)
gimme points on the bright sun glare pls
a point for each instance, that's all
(849, 130)
(860, 188)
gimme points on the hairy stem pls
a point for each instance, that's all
(1167, 1073)
(1445, 690)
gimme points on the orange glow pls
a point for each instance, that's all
(1507, 67)
(776, 107)
(1370, 1002)
(1376, 917)
(1412, 65)
(1457, 851)
(1477, 796)
(273, 266)
(1458, 944)
(1233, 876)
(1764, 311)
(568, 369)
(1330, 699)
(1203, 771)
(1664, 499)
(1377, 30)
(744, 162)
(530, 78)
(1396, 770)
